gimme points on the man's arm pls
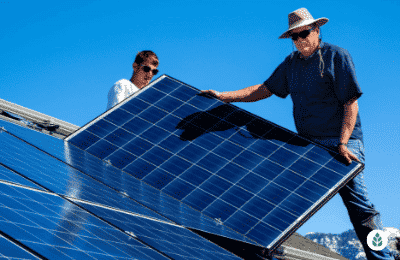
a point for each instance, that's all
(349, 121)
(249, 94)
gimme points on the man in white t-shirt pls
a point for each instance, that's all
(144, 68)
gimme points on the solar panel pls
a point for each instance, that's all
(91, 185)
(10, 250)
(245, 172)
(168, 238)
(54, 228)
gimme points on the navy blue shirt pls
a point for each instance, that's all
(318, 102)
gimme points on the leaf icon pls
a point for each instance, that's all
(377, 235)
(380, 243)
(373, 242)
(379, 239)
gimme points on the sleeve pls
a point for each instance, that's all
(115, 95)
(277, 83)
(346, 86)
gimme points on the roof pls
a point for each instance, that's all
(296, 247)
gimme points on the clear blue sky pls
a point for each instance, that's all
(61, 58)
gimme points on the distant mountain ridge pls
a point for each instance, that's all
(347, 243)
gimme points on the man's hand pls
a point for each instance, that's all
(345, 152)
(215, 94)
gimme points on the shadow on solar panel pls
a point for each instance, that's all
(243, 171)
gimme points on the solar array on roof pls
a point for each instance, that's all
(247, 173)
(136, 180)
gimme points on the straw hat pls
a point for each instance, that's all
(302, 17)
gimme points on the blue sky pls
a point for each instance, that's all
(61, 58)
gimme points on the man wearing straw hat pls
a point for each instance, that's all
(321, 80)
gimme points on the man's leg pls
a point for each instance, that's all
(362, 212)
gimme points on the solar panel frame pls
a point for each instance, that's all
(228, 118)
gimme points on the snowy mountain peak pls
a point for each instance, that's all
(347, 243)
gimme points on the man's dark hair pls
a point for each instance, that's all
(144, 55)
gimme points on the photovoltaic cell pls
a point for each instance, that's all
(233, 162)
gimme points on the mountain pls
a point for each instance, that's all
(347, 243)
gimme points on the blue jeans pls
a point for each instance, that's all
(362, 212)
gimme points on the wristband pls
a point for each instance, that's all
(342, 144)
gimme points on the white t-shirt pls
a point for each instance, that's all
(119, 91)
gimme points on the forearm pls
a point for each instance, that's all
(248, 94)
(349, 120)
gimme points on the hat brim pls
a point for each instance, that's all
(319, 22)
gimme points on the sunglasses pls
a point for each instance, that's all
(302, 34)
(147, 69)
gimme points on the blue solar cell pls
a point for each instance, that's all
(232, 172)
(169, 103)
(236, 196)
(102, 149)
(274, 193)
(305, 167)
(102, 128)
(176, 165)
(138, 146)
(295, 204)
(248, 159)
(136, 125)
(258, 207)
(184, 93)
(153, 114)
(158, 178)
(121, 158)
(311, 191)
(192, 153)
(289, 180)
(216, 185)
(199, 199)
(212, 162)
(179, 189)
(219, 209)
(202, 103)
(119, 137)
(119, 118)
(85, 139)
(241, 222)
(156, 155)
(195, 175)
(208, 141)
(227, 150)
(326, 177)
(185, 110)
(154, 134)
(284, 157)
(253, 182)
(151, 95)
(135, 106)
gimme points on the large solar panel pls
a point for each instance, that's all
(99, 183)
(243, 171)
(46, 173)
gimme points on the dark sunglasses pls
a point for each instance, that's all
(302, 34)
(147, 69)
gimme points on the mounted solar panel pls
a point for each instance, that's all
(84, 177)
(52, 228)
(245, 172)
